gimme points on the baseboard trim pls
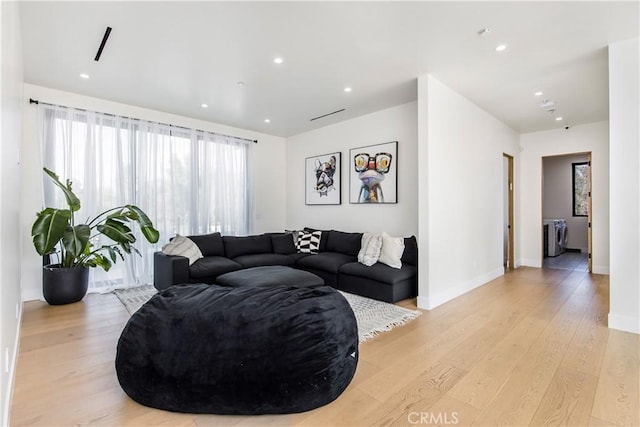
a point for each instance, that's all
(600, 269)
(12, 373)
(32, 295)
(429, 303)
(624, 323)
(530, 262)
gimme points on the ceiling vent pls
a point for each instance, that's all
(328, 114)
(547, 104)
(104, 42)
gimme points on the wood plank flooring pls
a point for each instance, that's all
(529, 348)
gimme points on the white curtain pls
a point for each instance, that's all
(187, 181)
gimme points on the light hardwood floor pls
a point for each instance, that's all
(529, 348)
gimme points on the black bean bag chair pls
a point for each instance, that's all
(257, 350)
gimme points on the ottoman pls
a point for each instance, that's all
(269, 276)
(203, 348)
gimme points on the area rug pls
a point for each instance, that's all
(372, 316)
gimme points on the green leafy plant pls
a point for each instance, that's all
(55, 230)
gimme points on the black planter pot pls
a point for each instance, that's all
(64, 285)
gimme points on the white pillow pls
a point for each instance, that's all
(391, 252)
(370, 249)
(183, 246)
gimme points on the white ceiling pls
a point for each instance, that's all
(174, 56)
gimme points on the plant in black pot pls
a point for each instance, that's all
(56, 231)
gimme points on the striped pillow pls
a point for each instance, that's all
(183, 246)
(308, 242)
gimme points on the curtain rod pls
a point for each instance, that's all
(35, 101)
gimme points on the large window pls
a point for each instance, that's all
(187, 181)
(580, 189)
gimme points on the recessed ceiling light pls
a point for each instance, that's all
(267, 120)
(501, 47)
(240, 83)
(347, 89)
(204, 105)
(537, 93)
(558, 119)
(84, 75)
(278, 60)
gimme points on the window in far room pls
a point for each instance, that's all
(580, 189)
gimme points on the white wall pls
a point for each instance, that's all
(462, 222)
(268, 155)
(558, 198)
(393, 124)
(624, 75)
(10, 137)
(594, 138)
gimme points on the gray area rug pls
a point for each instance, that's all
(372, 316)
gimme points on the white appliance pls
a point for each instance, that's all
(556, 236)
(563, 236)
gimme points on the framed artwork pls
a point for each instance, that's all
(373, 173)
(323, 181)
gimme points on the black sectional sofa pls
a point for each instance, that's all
(336, 263)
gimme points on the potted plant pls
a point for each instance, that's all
(55, 230)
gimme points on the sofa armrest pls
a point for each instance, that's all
(169, 270)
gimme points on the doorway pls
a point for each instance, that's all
(508, 227)
(566, 212)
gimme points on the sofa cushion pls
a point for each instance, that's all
(209, 244)
(326, 261)
(344, 243)
(379, 272)
(410, 254)
(283, 244)
(237, 246)
(257, 260)
(212, 266)
(298, 256)
(294, 235)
